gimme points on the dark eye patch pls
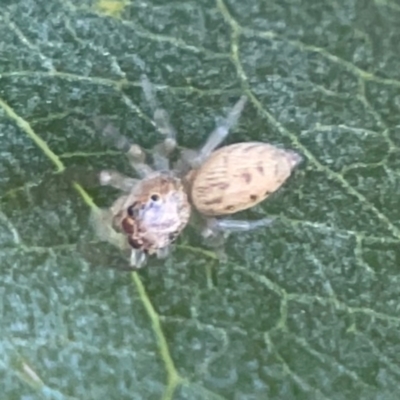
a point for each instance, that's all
(131, 209)
(135, 243)
(172, 236)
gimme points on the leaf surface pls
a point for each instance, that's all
(306, 309)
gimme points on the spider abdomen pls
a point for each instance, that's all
(239, 176)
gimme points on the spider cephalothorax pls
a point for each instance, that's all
(157, 206)
(154, 213)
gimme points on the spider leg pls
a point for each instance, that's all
(164, 252)
(110, 134)
(160, 115)
(117, 180)
(215, 232)
(161, 154)
(161, 121)
(101, 221)
(185, 161)
(220, 132)
(138, 259)
(137, 160)
(230, 225)
(193, 159)
(134, 152)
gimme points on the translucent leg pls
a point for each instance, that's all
(111, 135)
(101, 221)
(138, 259)
(185, 162)
(221, 131)
(161, 154)
(164, 252)
(160, 116)
(229, 225)
(137, 159)
(117, 180)
(215, 232)
(134, 152)
(217, 243)
(161, 121)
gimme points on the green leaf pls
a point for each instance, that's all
(306, 309)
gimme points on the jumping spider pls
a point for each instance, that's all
(155, 208)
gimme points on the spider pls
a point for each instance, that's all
(157, 206)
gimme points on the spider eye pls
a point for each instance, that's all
(172, 236)
(135, 243)
(155, 197)
(131, 210)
